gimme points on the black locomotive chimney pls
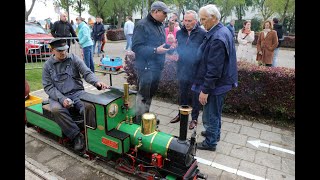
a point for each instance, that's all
(185, 110)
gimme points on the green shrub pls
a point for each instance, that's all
(262, 91)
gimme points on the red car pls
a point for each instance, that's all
(36, 40)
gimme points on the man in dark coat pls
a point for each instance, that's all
(277, 27)
(189, 39)
(148, 42)
(97, 34)
(216, 73)
(63, 28)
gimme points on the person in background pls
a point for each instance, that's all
(104, 39)
(62, 81)
(277, 27)
(85, 42)
(128, 32)
(177, 25)
(63, 28)
(48, 25)
(74, 26)
(174, 17)
(216, 74)
(171, 29)
(189, 39)
(149, 55)
(230, 26)
(266, 44)
(97, 35)
(245, 39)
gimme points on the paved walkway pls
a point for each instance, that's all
(247, 150)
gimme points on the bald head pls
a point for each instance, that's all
(63, 16)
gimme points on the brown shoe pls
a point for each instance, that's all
(175, 119)
(193, 124)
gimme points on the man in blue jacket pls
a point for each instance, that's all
(148, 45)
(97, 34)
(189, 39)
(216, 73)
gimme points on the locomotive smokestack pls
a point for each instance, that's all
(185, 110)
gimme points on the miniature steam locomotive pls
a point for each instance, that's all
(142, 150)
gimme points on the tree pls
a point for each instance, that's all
(98, 7)
(79, 6)
(225, 7)
(65, 4)
(241, 8)
(265, 7)
(28, 12)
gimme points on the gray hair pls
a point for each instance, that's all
(212, 10)
(195, 15)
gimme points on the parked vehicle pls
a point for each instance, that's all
(36, 40)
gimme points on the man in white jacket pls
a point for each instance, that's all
(128, 31)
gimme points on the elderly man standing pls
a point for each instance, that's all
(189, 39)
(63, 28)
(128, 31)
(147, 44)
(216, 73)
(62, 81)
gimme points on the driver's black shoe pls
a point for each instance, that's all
(78, 142)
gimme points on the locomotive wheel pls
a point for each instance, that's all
(124, 165)
(154, 174)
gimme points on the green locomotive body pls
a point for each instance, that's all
(138, 149)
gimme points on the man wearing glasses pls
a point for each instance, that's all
(148, 45)
(61, 80)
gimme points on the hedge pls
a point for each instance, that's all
(263, 91)
(115, 34)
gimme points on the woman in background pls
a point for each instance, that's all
(266, 44)
(245, 39)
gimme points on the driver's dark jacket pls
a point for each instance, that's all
(62, 78)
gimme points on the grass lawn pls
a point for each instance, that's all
(34, 75)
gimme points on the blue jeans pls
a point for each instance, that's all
(129, 41)
(211, 119)
(99, 46)
(184, 90)
(275, 54)
(148, 84)
(88, 57)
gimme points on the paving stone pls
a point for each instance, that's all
(27, 138)
(263, 149)
(243, 122)
(282, 131)
(165, 129)
(268, 160)
(164, 120)
(288, 140)
(271, 136)
(224, 147)
(261, 126)
(33, 148)
(61, 163)
(163, 111)
(153, 108)
(249, 131)
(164, 104)
(242, 152)
(174, 107)
(46, 154)
(173, 114)
(288, 166)
(207, 155)
(228, 176)
(226, 119)
(213, 173)
(275, 174)
(253, 168)
(281, 153)
(234, 138)
(231, 127)
(228, 161)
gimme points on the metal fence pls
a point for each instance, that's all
(37, 51)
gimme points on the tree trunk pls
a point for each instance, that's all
(120, 19)
(27, 13)
(285, 11)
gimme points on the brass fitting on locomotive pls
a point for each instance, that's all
(136, 147)
(126, 95)
(148, 123)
